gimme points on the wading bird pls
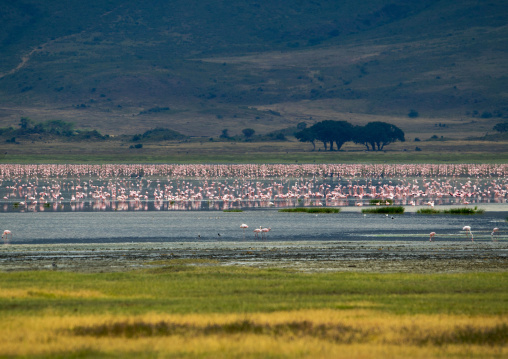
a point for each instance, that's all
(244, 227)
(6, 235)
(494, 232)
(468, 230)
(432, 234)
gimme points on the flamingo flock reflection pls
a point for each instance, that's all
(221, 187)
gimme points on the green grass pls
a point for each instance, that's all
(428, 211)
(279, 156)
(464, 211)
(232, 210)
(459, 211)
(311, 210)
(182, 288)
(385, 210)
(208, 310)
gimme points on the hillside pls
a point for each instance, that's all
(112, 65)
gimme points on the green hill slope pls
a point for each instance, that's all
(231, 64)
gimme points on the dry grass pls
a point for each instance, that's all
(204, 151)
(312, 333)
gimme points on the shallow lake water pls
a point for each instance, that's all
(215, 226)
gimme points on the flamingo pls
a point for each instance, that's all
(257, 231)
(494, 232)
(468, 230)
(244, 227)
(432, 234)
(265, 230)
(6, 235)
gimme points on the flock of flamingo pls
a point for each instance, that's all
(222, 187)
(194, 187)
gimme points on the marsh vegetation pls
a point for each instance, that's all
(238, 312)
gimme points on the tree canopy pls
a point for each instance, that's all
(376, 134)
(501, 127)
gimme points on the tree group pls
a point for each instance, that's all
(374, 135)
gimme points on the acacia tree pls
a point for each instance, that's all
(328, 132)
(307, 135)
(321, 131)
(248, 132)
(341, 132)
(501, 127)
(378, 134)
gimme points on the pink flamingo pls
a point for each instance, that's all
(257, 231)
(6, 235)
(494, 232)
(265, 230)
(468, 230)
(244, 227)
(432, 234)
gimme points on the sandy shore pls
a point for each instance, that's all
(309, 256)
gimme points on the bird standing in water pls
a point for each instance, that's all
(468, 230)
(6, 235)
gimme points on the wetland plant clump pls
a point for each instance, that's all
(496, 335)
(233, 210)
(385, 210)
(462, 211)
(311, 210)
(465, 211)
(337, 332)
(428, 211)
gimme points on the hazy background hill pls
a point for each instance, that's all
(198, 67)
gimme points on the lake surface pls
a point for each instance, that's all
(214, 226)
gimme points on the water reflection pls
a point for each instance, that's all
(158, 194)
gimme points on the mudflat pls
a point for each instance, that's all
(308, 256)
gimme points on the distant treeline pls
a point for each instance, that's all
(374, 134)
(333, 134)
(52, 128)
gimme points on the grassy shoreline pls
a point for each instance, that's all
(203, 309)
(244, 152)
(255, 158)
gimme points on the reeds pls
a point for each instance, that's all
(464, 211)
(460, 211)
(428, 211)
(385, 210)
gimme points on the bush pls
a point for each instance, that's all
(501, 127)
(428, 211)
(465, 211)
(384, 210)
(248, 132)
(159, 134)
(413, 114)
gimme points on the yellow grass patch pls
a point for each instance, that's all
(327, 333)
